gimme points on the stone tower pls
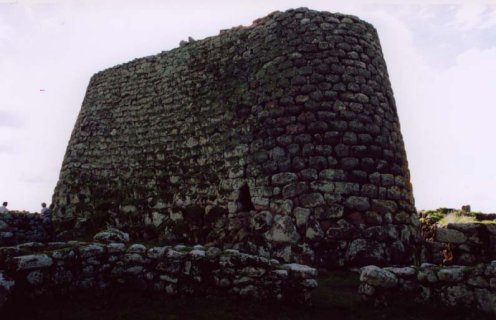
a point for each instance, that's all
(280, 138)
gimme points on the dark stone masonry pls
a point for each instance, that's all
(279, 139)
(20, 227)
(471, 287)
(36, 269)
(459, 243)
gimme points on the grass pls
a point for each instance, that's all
(334, 299)
(444, 216)
(457, 217)
(435, 214)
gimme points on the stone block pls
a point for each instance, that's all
(450, 236)
(34, 261)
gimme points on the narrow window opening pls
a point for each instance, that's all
(244, 199)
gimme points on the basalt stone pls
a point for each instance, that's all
(330, 212)
(283, 230)
(312, 200)
(301, 215)
(450, 236)
(6, 286)
(111, 235)
(364, 252)
(35, 261)
(293, 111)
(384, 206)
(343, 230)
(333, 175)
(309, 174)
(294, 189)
(322, 186)
(357, 203)
(314, 231)
(349, 163)
(378, 277)
(284, 178)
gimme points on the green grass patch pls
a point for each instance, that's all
(443, 216)
(435, 214)
(462, 217)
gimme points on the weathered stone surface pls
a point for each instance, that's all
(294, 189)
(283, 230)
(465, 227)
(115, 247)
(458, 295)
(17, 227)
(384, 206)
(111, 235)
(301, 216)
(312, 200)
(491, 228)
(300, 271)
(362, 252)
(35, 278)
(379, 277)
(5, 288)
(486, 300)
(342, 231)
(330, 212)
(190, 145)
(453, 274)
(156, 252)
(212, 271)
(261, 221)
(450, 236)
(137, 248)
(92, 250)
(34, 261)
(283, 178)
(357, 203)
(314, 231)
(457, 243)
(453, 286)
(404, 272)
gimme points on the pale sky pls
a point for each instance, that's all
(441, 57)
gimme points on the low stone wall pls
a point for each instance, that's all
(471, 287)
(30, 270)
(459, 243)
(20, 227)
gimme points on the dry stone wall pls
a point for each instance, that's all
(34, 269)
(462, 286)
(280, 139)
(459, 243)
(19, 227)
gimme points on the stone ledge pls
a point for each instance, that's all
(30, 271)
(468, 287)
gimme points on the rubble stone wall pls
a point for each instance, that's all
(462, 286)
(34, 269)
(19, 227)
(459, 243)
(280, 139)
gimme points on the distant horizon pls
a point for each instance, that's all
(441, 61)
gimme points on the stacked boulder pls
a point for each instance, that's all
(462, 286)
(37, 269)
(280, 139)
(20, 226)
(461, 244)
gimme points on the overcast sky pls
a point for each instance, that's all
(441, 58)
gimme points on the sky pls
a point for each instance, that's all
(441, 58)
